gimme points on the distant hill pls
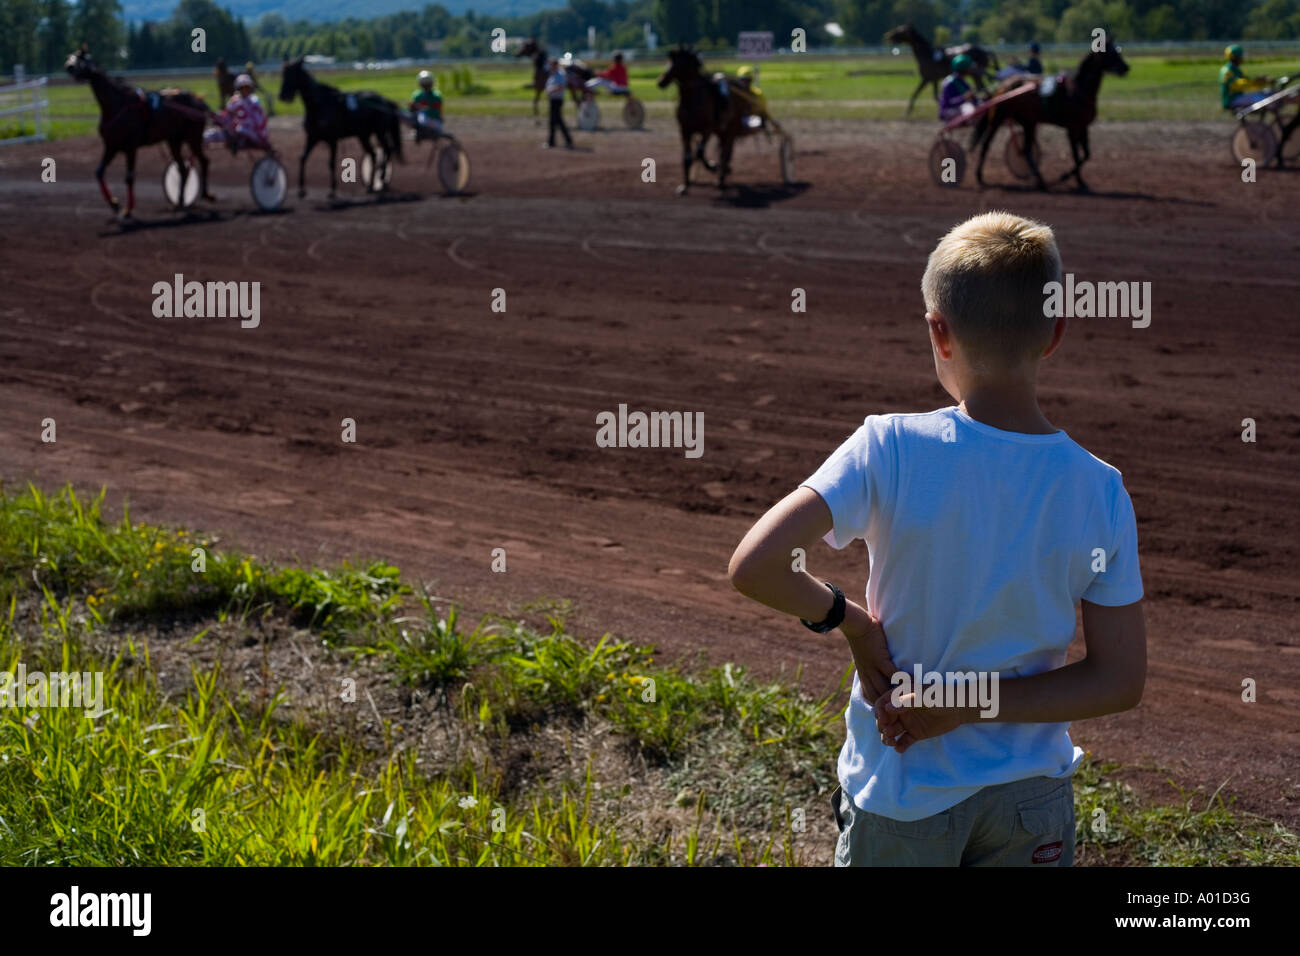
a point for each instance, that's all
(334, 10)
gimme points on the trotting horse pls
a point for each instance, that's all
(935, 64)
(130, 118)
(1071, 103)
(332, 115)
(701, 111)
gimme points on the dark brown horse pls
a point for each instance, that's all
(701, 111)
(1069, 102)
(936, 64)
(130, 118)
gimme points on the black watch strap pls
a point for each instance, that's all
(834, 618)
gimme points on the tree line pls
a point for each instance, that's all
(39, 33)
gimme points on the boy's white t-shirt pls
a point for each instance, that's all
(981, 542)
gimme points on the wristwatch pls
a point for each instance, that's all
(834, 618)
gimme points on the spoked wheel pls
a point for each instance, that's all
(1014, 155)
(1253, 140)
(453, 167)
(633, 113)
(588, 115)
(947, 162)
(377, 174)
(171, 184)
(787, 160)
(269, 184)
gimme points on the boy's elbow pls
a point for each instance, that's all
(743, 573)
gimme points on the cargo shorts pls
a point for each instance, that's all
(1023, 823)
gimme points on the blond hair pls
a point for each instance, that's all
(986, 277)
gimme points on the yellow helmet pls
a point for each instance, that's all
(745, 70)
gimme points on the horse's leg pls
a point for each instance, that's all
(686, 163)
(724, 163)
(104, 160)
(130, 181)
(174, 148)
(1029, 131)
(374, 164)
(302, 166)
(990, 130)
(1078, 163)
(912, 101)
(196, 147)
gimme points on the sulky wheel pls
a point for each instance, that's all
(588, 115)
(171, 184)
(453, 168)
(269, 184)
(1014, 155)
(633, 113)
(947, 162)
(1253, 140)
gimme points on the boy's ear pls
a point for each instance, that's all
(1058, 333)
(940, 334)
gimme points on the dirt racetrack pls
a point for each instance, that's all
(476, 430)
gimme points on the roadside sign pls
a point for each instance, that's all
(754, 44)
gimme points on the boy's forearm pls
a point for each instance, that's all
(1074, 692)
(791, 592)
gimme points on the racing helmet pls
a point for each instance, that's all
(745, 71)
(243, 80)
(1033, 47)
(425, 79)
(1235, 52)
(961, 62)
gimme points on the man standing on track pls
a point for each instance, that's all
(556, 83)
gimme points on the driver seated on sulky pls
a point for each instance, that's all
(243, 122)
(1236, 90)
(613, 79)
(426, 105)
(957, 97)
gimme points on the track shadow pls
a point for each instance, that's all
(122, 227)
(1058, 190)
(761, 195)
(370, 202)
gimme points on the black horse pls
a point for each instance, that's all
(333, 115)
(701, 111)
(1072, 104)
(131, 118)
(936, 64)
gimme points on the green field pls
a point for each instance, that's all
(1158, 87)
(492, 743)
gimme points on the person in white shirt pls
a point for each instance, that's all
(985, 526)
(557, 81)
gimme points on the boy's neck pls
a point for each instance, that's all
(1009, 407)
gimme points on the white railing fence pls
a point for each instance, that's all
(21, 99)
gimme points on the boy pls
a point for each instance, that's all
(985, 525)
(426, 105)
(956, 96)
